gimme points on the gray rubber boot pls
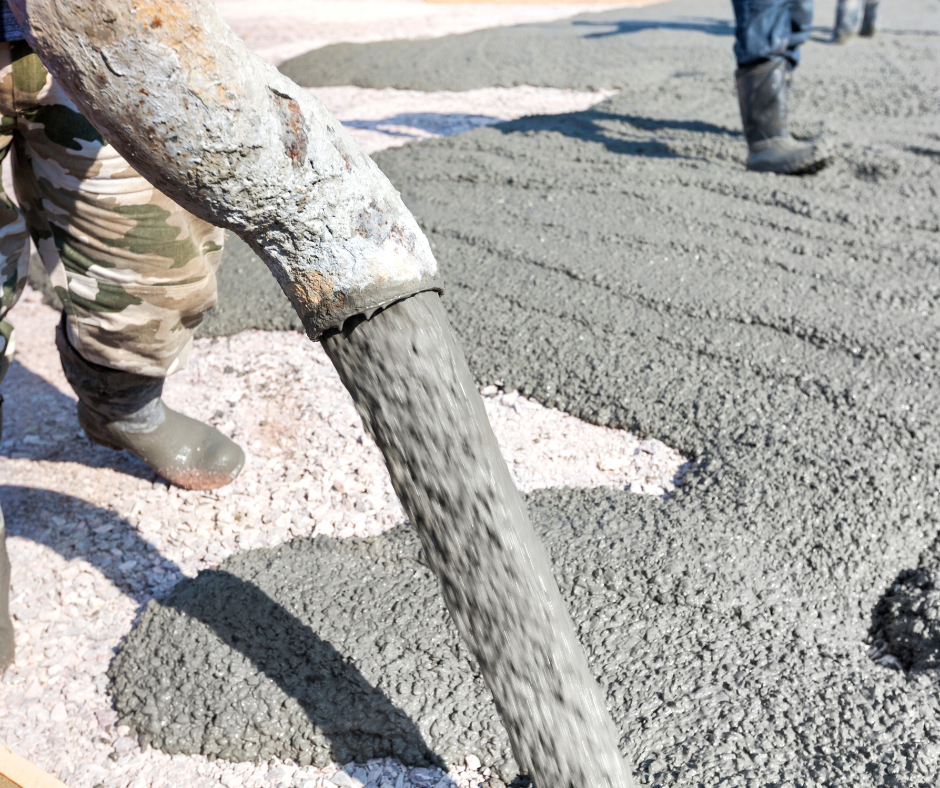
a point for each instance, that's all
(762, 96)
(870, 20)
(122, 410)
(847, 13)
(6, 624)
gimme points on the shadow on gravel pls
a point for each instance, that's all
(346, 711)
(587, 126)
(76, 529)
(712, 27)
(40, 424)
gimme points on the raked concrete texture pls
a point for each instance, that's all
(773, 623)
(587, 52)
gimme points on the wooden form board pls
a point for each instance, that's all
(17, 772)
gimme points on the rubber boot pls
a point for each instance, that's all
(762, 96)
(6, 624)
(869, 21)
(123, 410)
(847, 12)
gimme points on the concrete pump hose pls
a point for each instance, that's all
(238, 144)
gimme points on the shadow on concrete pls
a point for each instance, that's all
(587, 126)
(334, 695)
(358, 719)
(826, 35)
(445, 124)
(930, 153)
(707, 25)
(900, 32)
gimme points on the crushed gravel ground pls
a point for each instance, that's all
(388, 118)
(285, 28)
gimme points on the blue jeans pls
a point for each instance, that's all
(770, 28)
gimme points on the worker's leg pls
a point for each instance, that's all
(14, 258)
(135, 272)
(801, 26)
(767, 29)
(847, 14)
(768, 36)
(14, 265)
(870, 20)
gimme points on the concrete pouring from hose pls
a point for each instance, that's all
(229, 138)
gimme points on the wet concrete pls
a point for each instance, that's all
(249, 297)
(785, 333)
(587, 52)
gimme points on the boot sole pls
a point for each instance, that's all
(799, 169)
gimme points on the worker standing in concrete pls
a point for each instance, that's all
(135, 272)
(847, 14)
(768, 37)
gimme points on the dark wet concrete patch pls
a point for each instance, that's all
(905, 630)
(783, 332)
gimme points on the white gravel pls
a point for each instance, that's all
(281, 29)
(93, 533)
(388, 118)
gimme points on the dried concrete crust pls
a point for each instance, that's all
(239, 145)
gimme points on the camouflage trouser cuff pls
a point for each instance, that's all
(112, 395)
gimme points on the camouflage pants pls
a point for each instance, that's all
(135, 272)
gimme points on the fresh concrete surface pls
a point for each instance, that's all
(590, 51)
